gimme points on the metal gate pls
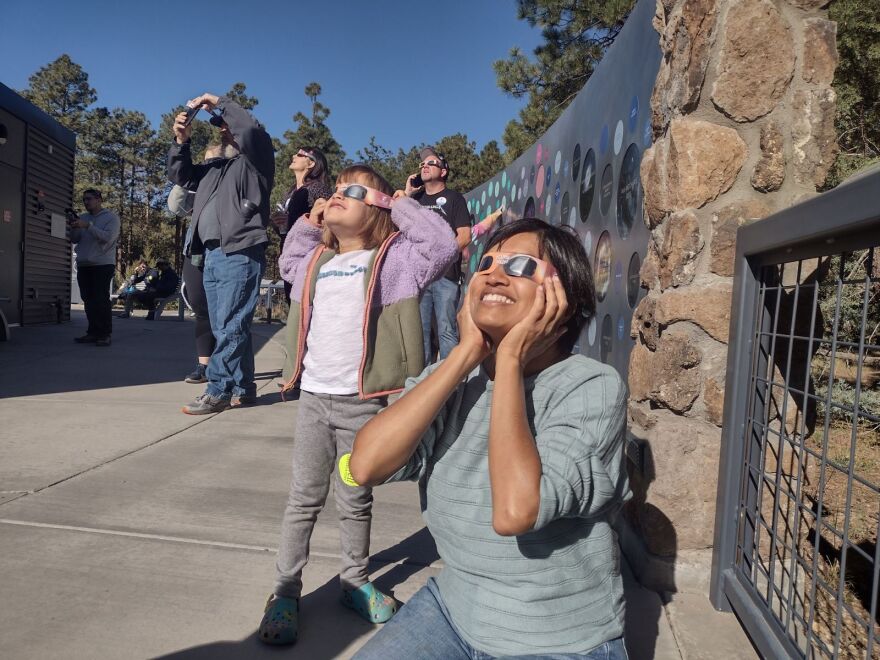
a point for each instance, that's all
(798, 510)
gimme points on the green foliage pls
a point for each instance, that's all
(576, 35)
(238, 93)
(857, 83)
(468, 168)
(61, 89)
(847, 303)
(310, 132)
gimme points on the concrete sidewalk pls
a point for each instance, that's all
(130, 530)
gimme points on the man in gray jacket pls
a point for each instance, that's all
(230, 214)
(95, 234)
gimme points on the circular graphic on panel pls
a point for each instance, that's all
(556, 192)
(538, 154)
(629, 198)
(557, 163)
(529, 211)
(473, 260)
(525, 187)
(512, 193)
(541, 207)
(470, 205)
(497, 188)
(483, 198)
(504, 202)
(618, 277)
(576, 163)
(647, 135)
(565, 169)
(621, 328)
(588, 184)
(520, 193)
(548, 174)
(606, 339)
(563, 209)
(633, 113)
(532, 174)
(603, 140)
(632, 280)
(591, 330)
(547, 206)
(476, 207)
(522, 173)
(572, 215)
(618, 137)
(539, 181)
(588, 244)
(606, 189)
(602, 266)
(504, 179)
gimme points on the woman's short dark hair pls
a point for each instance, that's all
(561, 247)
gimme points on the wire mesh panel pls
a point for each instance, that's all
(808, 506)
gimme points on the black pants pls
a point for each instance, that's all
(195, 296)
(146, 299)
(94, 289)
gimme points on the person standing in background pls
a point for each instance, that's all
(439, 302)
(95, 233)
(311, 182)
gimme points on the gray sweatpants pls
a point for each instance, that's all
(325, 428)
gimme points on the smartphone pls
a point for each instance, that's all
(417, 181)
(191, 114)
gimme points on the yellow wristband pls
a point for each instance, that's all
(345, 472)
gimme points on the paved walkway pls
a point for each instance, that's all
(130, 530)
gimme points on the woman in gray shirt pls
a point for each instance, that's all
(518, 448)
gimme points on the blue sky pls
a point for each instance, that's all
(406, 72)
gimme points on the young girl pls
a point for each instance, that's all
(519, 447)
(357, 264)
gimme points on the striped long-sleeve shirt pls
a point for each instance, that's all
(557, 588)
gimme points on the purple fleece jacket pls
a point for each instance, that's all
(419, 255)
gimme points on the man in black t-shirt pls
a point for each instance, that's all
(440, 300)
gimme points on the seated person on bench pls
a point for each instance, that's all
(129, 285)
(161, 282)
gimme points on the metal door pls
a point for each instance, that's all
(10, 243)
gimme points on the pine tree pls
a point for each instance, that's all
(61, 89)
(576, 35)
(857, 83)
(310, 132)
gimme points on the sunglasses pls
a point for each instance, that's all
(516, 265)
(361, 193)
(306, 154)
(432, 163)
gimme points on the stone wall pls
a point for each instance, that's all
(743, 123)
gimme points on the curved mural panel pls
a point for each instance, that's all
(584, 173)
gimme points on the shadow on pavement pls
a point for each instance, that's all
(43, 359)
(327, 628)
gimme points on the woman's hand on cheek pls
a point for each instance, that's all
(542, 326)
(472, 340)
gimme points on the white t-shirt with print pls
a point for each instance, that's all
(335, 341)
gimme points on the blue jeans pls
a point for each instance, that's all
(440, 301)
(232, 288)
(422, 629)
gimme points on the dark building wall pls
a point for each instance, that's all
(36, 182)
(584, 173)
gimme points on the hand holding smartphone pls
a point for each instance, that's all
(191, 114)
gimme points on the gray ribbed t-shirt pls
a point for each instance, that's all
(558, 588)
(209, 221)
